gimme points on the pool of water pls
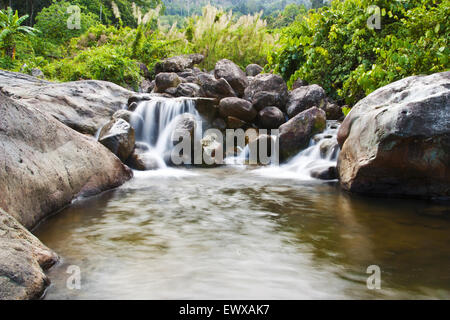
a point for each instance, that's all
(240, 233)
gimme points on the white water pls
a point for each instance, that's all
(155, 121)
(311, 159)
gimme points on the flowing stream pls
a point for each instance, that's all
(238, 232)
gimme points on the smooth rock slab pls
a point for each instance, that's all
(45, 164)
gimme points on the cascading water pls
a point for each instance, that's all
(322, 153)
(154, 122)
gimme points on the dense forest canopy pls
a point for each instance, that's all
(320, 42)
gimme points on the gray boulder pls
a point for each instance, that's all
(23, 260)
(296, 134)
(231, 72)
(179, 63)
(119, 137)
(304, 98)
(257, 90)
(253, 70)
(166, 80)
(215, 88)
(238, 108)
(271, 118)
(45, 164)
(189, 90)
(82, 105)
(396, 141)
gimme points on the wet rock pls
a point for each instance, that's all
(179, 63)
(267, 90)
(396, 141)
(253, 70)
(23, 260)
(231, 72)
(165, 81)
(212, 150)
(327, 173)
(45, 164)
(119, 137)
(215, 88)
(271, 118)
(297, 132)
(238, 108)
(143, 161)
(329, 148)
(208, 108)
(123, 114)
(147, 86)
(185, 127)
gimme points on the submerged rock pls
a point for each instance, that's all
(396, 141)
(23, 260)
(45, 164)
(297, 132)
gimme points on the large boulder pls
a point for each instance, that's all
(396, 141)
(119, 137)
(267, 90)
(253, 70)
(296, 134)
(179, 63)
(166, 80)
(305, 97)
(23, 260)
(82, 105)
(238, 108)
(271, 118)
(215, 88)
(231, 72)
(45, 164)
(189, 90)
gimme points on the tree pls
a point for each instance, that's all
(12, 31)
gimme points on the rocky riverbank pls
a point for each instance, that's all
(395, 142)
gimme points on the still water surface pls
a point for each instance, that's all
(236, 233)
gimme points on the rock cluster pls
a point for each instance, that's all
(249, 99)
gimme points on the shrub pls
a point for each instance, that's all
(334, 47)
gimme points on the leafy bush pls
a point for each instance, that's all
(109, 63)
(334, 47)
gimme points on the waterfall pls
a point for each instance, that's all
(154, 122)
(322, 153)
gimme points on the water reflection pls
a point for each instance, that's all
(229, 234)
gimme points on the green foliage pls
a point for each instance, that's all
(12, 31)
(52, 21)
(107, 62)
(334, 47)
(217, 34)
